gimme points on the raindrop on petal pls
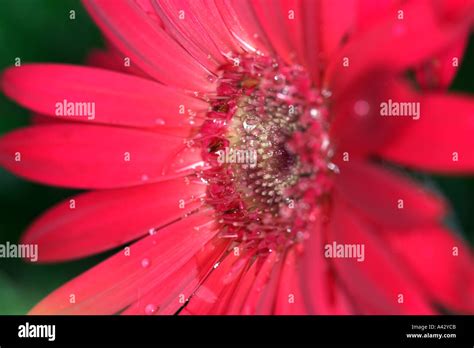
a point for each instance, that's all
(361, 108)
(145, 263)
(326, 93)
(150, 309)
(314, 113)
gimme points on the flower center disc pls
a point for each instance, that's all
(267, 146)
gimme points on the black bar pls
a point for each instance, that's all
(141, 330)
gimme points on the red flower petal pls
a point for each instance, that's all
(376, 192)
(325, 24)
(289, 298)
(171, 294)
(387, 43)
(280, 29)
(440, 140)
(103, 220)
(263, 290)
(358, 127)
(241, 21)
(198, 26)
(209, 295)
(112, 285)
(439, 72)
(370, 12)
(85, 156)
(243, 288)
(232, 281)
(139, 37)
(442, 263)
(375, 284)
(118, 99)
(319, 278)
(111, 59)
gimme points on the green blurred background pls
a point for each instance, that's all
(41, 31)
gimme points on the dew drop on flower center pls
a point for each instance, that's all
(268, 153)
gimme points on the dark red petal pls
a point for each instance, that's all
(358, 128)
(438, 72)
(442, 262)
(388, 198)
(423, 32)
(111, 59)
(377, 282)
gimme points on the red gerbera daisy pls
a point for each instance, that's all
(236, 151)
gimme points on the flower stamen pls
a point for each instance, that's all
(267, 145)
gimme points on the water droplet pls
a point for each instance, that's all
(333, 167)
(279, 79)
(249, 124)
(145, 263)
(300, 235)
(361, 108)
(160, 122)
(152, 231)
(326, 93)
(150, 309)
(315, 113)
(325, 143)
(145, 177)
(207, 295)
